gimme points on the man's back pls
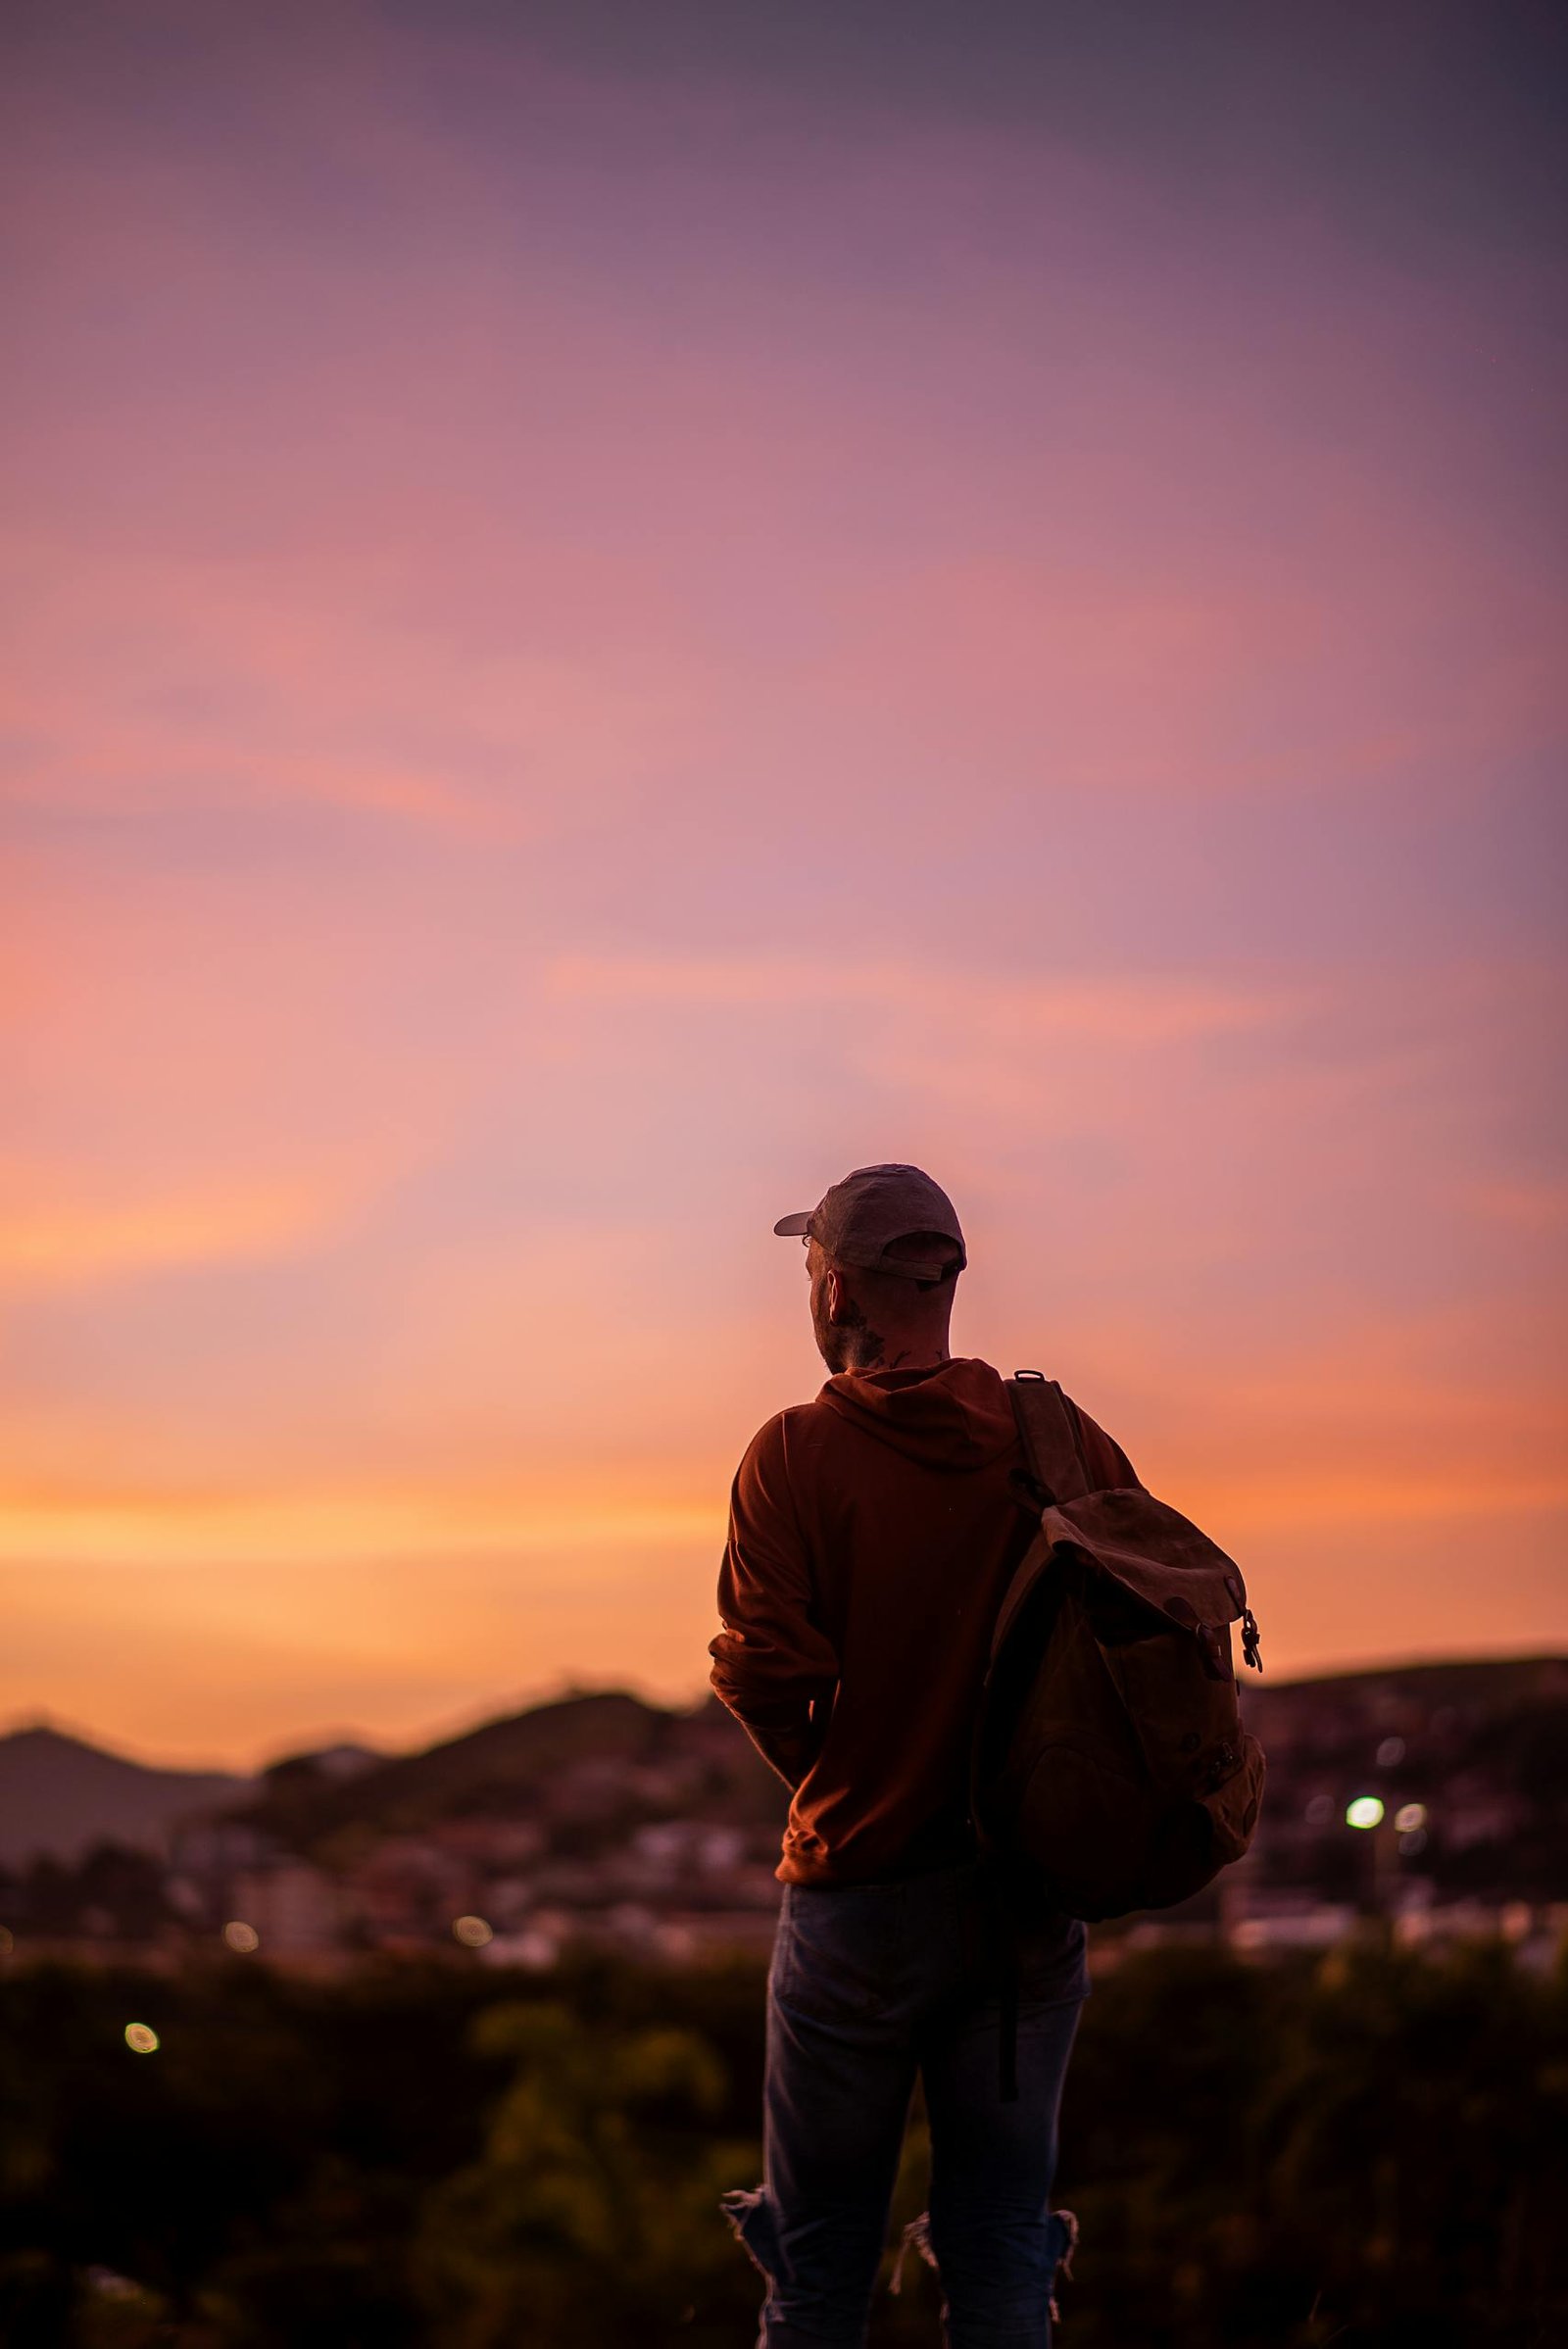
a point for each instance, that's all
(872, 1534)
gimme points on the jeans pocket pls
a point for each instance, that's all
(836, 1955)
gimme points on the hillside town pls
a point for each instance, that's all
(1430, 1799)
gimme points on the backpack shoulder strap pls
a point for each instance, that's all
(1050, 1438)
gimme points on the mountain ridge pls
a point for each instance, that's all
(59, 1793)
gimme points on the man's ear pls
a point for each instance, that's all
(834, 1293)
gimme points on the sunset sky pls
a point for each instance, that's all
(615, 609)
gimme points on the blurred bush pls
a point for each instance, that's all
(1366, 2149)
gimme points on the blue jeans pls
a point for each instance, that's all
(871, 1985)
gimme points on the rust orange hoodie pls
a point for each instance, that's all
(872, 1534)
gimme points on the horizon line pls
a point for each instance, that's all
(572, 1691)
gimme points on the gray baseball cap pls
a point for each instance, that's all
(857, 1219)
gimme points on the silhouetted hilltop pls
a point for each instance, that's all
(1488, 1681)
(584, 1764)
(59, 1795)
(1485, 1744)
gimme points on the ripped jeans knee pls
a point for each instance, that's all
(999, 2282)
(747, 2210)
(816, 2300)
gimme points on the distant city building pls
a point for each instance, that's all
(1431, 1797)
(295, 1910)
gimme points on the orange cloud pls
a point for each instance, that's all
(55, 1243)
(343, 1526)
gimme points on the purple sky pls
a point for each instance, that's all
(615, 609)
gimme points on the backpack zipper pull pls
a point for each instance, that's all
(1251, 1640)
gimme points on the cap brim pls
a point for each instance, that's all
(793, 1227)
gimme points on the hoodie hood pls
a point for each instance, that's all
(952, 1415)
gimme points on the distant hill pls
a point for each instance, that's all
(588, 1767)
(1495, 1683)
(591, 1758)
(60, 1795)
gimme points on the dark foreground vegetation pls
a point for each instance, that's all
(1367, 2148)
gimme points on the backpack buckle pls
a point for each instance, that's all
(1251, 1640)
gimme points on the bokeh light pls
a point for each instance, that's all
(471, 1932)
(241, 1938)
(1391, 1752)
(1365, 1811)
(1409, 1815)
(141, 2038)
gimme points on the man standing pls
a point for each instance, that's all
(872, 1534)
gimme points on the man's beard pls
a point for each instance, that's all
(830, 1339)
(840, 1341)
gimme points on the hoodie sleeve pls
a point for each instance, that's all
(773, 1665)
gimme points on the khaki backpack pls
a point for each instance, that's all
(1110, 1769)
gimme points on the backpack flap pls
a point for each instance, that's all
(1155, 1553)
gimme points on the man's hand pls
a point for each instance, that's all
(792, 1752)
